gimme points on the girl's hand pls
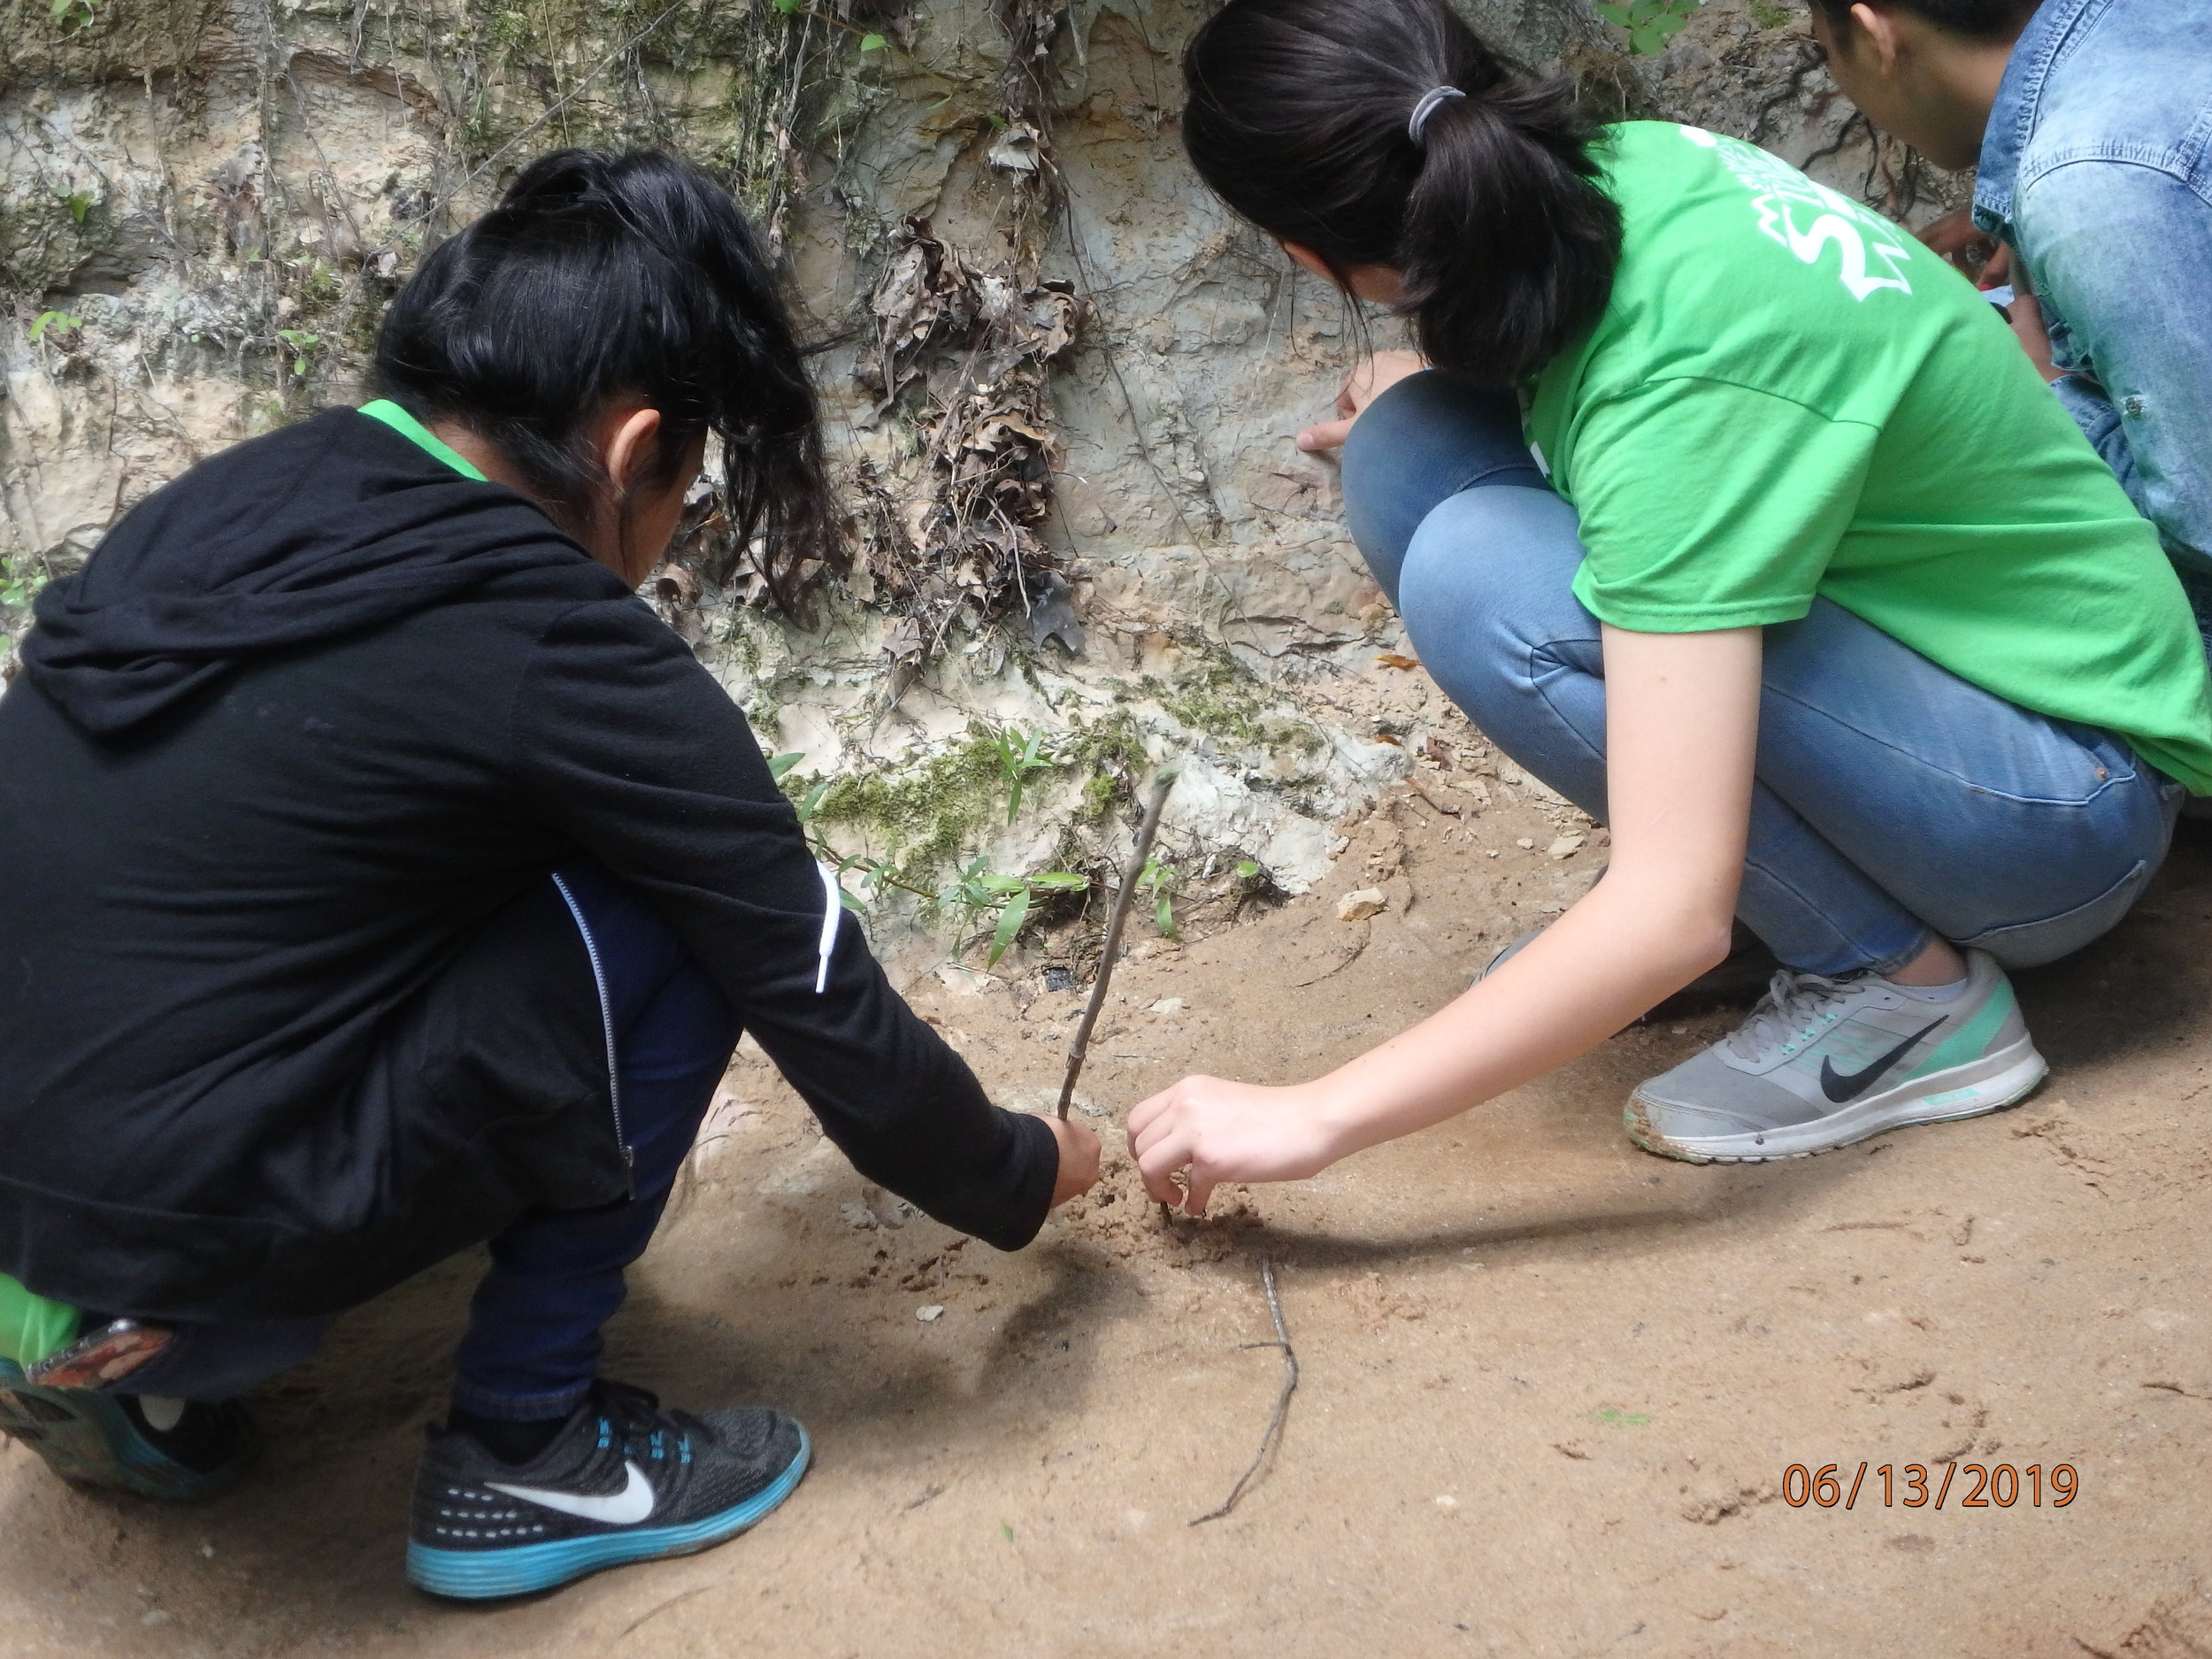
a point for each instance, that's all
(1361, 386)
(1960, 240)
(1220, 1131)
(1078, 1160)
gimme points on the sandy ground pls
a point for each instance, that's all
(1551, 1385)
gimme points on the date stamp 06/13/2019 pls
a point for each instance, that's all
(1906, 1485)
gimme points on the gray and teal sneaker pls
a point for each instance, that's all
(623, 1481)
(1823, 1063)
(173, 1449)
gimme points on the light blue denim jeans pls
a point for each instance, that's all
(2097, 167)
(1894, 802)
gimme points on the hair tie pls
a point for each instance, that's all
(1426, 108)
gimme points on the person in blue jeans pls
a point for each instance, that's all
(2085, 122)
(1737, 518)
(383, 878)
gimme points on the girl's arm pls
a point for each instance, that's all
(1682, 717)
(626, 749)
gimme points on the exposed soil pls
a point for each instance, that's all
(1551, 1385)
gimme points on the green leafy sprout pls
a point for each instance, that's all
(1158, 882)
(1650, 24)
(60, 322)
(302, 343)
(1020, 756)
(19, 582)
(71, 14)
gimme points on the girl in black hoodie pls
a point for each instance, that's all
(381, 877)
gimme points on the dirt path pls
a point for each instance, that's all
(1551, 1385)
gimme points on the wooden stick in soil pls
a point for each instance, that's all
(1114, 920)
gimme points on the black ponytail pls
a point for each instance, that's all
(1297, 117)
(599, 277)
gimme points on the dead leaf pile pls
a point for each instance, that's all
(964, 353)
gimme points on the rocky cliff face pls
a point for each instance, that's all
(1062, 381)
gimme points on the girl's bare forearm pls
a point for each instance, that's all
(1609, 959)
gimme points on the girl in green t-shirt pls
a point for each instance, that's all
(1914, 707)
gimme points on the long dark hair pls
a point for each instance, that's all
(603, 276)
(1297, 117)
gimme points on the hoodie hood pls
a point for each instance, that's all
(325, 528)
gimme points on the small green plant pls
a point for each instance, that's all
(1650, 24)
(978, 891)
(71, 14)
(60, 322)
(872, 43)
(19, 584)
(1157, 882)
(302, 343)
(1767, 14)
(78, 202)
(1019, 756)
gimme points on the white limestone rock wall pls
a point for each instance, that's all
(208, 200)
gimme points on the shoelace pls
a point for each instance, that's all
(1791, 1009)
(632, 1417)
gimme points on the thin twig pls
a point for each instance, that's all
(1130, 873)
(1274, 1434)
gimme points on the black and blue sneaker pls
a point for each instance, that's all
(622, 1481)
(172, 1449)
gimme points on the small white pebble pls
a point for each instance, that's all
(1168, 1005)
(208, 1550)
(932, 1313)
(1445, 1501)
(1526, 842)
(1566, 846)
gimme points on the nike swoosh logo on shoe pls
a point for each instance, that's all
(1843, 1086)
(626, 1508)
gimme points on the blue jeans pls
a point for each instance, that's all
(2094, 167)
(1894, 802)
(532, 1348)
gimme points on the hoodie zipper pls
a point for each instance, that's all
(606, 1026)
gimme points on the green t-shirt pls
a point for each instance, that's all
(1788, 395)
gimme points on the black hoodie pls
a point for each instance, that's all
(288, 1007)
